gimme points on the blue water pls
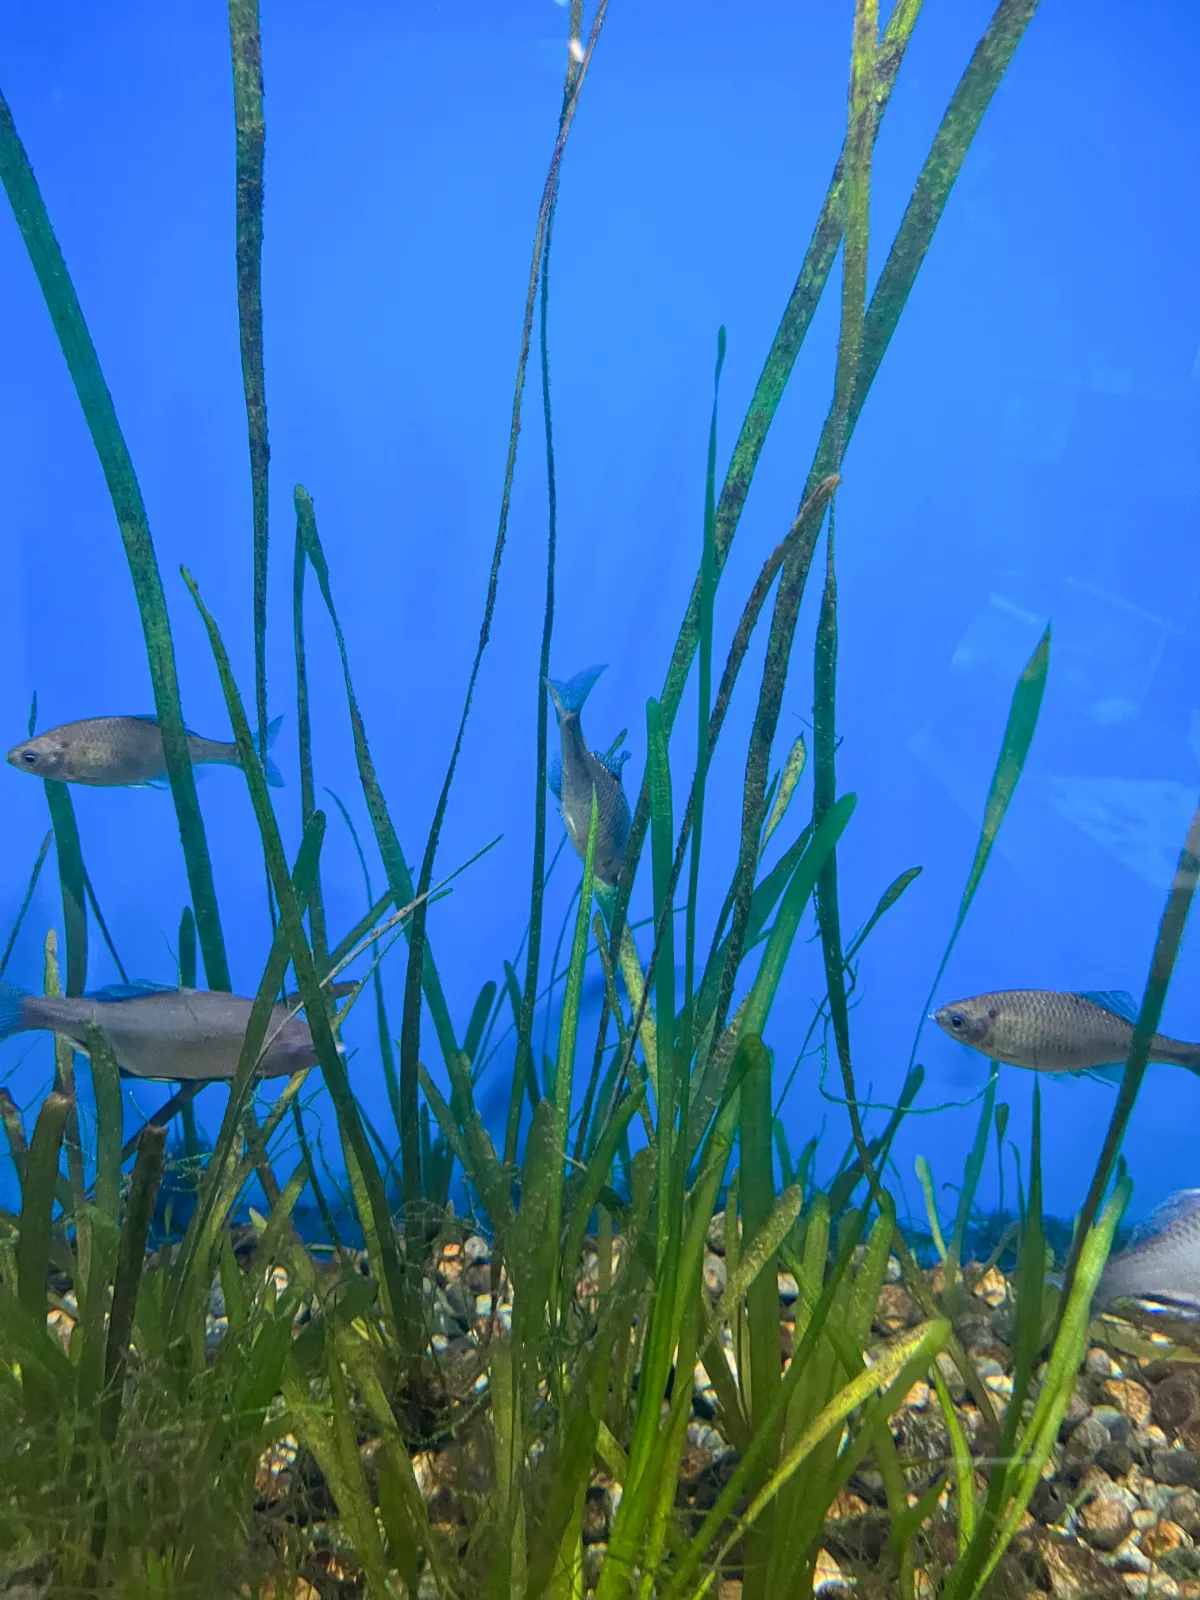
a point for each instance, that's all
(1029, 452)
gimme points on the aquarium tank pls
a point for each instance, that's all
(601, 687)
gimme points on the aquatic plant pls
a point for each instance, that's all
(132, 1376)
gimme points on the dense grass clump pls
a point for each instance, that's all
(644, 1366)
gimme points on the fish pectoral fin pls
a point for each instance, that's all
(1119, 1001)
(1111, 1074)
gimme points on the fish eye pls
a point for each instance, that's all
(29, 758)
(957, 1019)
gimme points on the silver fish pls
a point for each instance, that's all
(121, 752)
(1162, 1260)
(1053, 1031)
(165, 1034)
(580, 770)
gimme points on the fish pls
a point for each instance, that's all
(1055, 1031)
(123, 752)
(162, 1033)
(1161, 1262)
(578, 771)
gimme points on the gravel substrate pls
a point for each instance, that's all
(1116, 1514)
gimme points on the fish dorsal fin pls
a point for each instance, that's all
(137, 989)
(148, 716)
(1119, 1001)
(554, 775)
(612, 764)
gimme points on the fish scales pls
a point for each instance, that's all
(1162, 1260)
(171, 1035)
(582, 772)
(120, 752)
(1053, 1031)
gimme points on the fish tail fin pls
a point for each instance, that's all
(571, 695)
(272, 773)
(12, 1009)
(1175, 1053)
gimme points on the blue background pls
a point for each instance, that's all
(1029, 451)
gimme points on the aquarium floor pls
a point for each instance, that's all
(1117, 1513)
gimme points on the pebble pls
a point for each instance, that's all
(1099, 1364)
(1084, 1445)
(1162, 1586)
(951, 1377)
(894, 1309)
(1105, 1522)
(1156, 1497)
(1128, 1557)
(1167, 1536)
(715, 1274)
(1178, 1468)
(828, 1577)
(1184, 1509)
(1116, 1422)
(1130, 1398)
(1077, 1408)
(991, 1288)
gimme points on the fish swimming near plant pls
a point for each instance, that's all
(1162, 1260)
(1054, 1031)
(164, 1033)
(115, 752)
(579, 771)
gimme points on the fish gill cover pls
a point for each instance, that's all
(511, 1138)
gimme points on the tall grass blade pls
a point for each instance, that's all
(793, 769)
(411, 1021)
(785, 347)
(308, 804)
(860, 140)
(399, 878)
(245, 48)
(386, 1056)
(708, 590)
(30, 888)
(955, 135)
(1162, 965)
(1018, 735)
(135, 1230)
(972, 1173)
(70, 878)
(662, 837)
(96, 402)
(332, 1065)
(37, 1203)
(568, 1027)
(787, 920)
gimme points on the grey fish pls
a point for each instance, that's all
(1053, 1031)
(121, 752)
(160, 1033)
(579, 771)
(1162, 1260)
